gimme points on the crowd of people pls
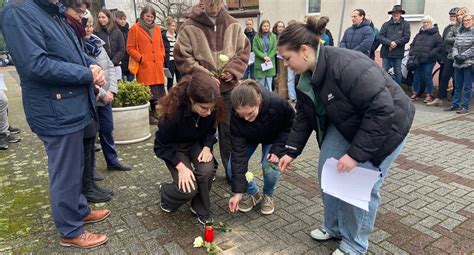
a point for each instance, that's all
(69, 66)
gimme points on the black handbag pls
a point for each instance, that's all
(412, 63)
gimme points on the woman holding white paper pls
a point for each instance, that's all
(360, 115)
(264, 47)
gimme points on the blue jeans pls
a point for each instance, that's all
(396, 63)
(65, 168)
(344, 220)
(106, 128)
(270, 176)
(463, 77)
(423, 73)
(249, 73)
(291, 84)
(266, 82)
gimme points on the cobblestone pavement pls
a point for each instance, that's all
(427, 199)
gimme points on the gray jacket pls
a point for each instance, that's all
(464, 46)
(104, 61)
(451, 37)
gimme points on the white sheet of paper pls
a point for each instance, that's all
(355, 202)
(2, 83)
(251, 58)
(267, 66)
(167, 73)
(118, 72)
(350, 187)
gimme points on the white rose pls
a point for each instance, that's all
(223, 59)
(198, 242)
(249, 176)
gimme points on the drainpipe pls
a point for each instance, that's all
(342, 21)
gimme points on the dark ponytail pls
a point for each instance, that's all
(299, 34)
(245, 94)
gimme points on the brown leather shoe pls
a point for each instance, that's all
(96, 216)
(85, 240)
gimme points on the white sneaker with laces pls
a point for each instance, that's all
(320, 235)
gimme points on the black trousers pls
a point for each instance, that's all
(446, 72)
(224, 133)
(173, 197)
(174, 71)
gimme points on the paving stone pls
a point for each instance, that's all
(427, 199)
(378, 236)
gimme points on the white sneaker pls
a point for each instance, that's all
(339, 252)
(320, 235)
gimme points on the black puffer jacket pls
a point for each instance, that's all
(271, 126)
(361, 100)
(399, 33)
(126, 57)
(426, 45)
(114, 44)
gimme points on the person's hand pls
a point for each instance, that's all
(285, 163)
(346, 164)
(272, 158)
(109, 97)
(186, 178)
(97, 75)
(205, 155)
(234, 202)
(393, 45)
(218, 82)
(460, 59)
(227, 77)
(266, 58)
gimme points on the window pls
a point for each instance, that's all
(415, 9)
(242, 4)
(313, 6)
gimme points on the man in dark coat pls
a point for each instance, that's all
(394, 34)
(360, 35)
(57, 81)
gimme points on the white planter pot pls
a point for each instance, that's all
(131, 124)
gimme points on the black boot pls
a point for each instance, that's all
(89, 190)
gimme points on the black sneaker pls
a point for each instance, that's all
(163, 206)
(119, 167)
(14, 138)
(3, 142)
(463, 111)
(205, 219)
(13, 130)
(451, 109)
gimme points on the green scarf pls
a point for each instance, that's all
(148, 27)
(304, 85)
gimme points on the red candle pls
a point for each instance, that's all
(209, 232)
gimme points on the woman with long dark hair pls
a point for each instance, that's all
(107, 30)
(145, 46)
(361, 118)
(184, 140)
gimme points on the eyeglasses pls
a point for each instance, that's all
(467, 20)
(80, 11)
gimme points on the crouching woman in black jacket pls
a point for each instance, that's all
(361, 118)
(184, 140)
(258, 117)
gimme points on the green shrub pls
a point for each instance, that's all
(131, 93)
